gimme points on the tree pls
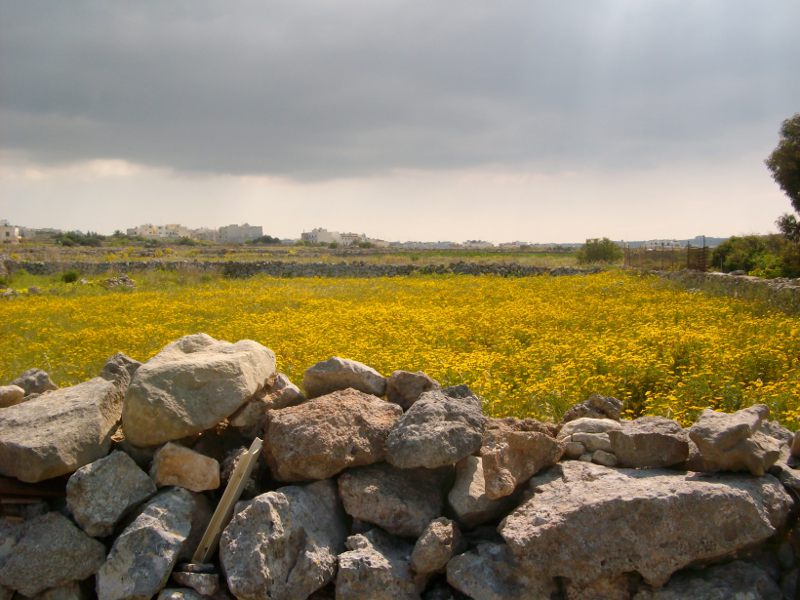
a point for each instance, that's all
(599, 250)
(784, 162)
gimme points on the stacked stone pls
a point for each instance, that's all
(382, 487)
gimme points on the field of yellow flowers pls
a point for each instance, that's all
(530, 346)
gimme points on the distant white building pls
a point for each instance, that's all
(9, 234)
(352, 239)
(171, 231)
(319, 235)
(239, 234)
(205, 234)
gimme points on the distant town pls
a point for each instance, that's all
(319, 236)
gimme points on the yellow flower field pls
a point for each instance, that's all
(530, 346)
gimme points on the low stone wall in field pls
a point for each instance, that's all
(376, 487)
(291, 269)
(783, 294)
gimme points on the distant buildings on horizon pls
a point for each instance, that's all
(240, 234)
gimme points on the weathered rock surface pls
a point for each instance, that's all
(738, 580)
(405, 387)
(206, 584)
(734, 442)
(435, 546)
(180, 594)
(101, 493)
(50, 552)
(133, 570)
(59, 431)
(584, 521)
(11, 395)
(120, 368)
(339, 374)
(649, 442)
(35, 381)
(468, 497)
(401, 501)
(587, 425)
(322, 437)
(251, 418)
(70, 591)
(177, 465)
(283, 545)
(378, 567)
(513, 451)
(490, 572)
(436, 431)
(191, 385)
(595, 406)
(796, 444)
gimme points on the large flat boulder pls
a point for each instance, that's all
(401, 501)
(101, 493)
(735, 442)
(322, 437)
(436, 431)
(584, 521)
(339, 374)
(144, 554)
(283, 545)
(50, 552)
(60, 431)
(649, 442)
(377, 566)
(191, 385)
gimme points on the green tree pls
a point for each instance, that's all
(784, 162)
(599, 250)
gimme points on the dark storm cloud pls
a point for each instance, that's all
(356, 87)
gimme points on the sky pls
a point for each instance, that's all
(540, 121)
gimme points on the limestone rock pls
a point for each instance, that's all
(11, 395)
(101, 493)
(180, 594)
(120, 368)
(617, 587)
(251, 418)
(649, 442)
(378, 567)
(339, 374)
(400, 501)
(490, 572)
(601, 457)
(733, 442)
(436, 431)
(70, 591)
(737, 579)
(59, 431)
(133, 570)
(206, 584)
(178, 465)
(35, 381)
(283, 545)
(796, 444)
(50, 552)
(404, 387)
(587, 425)
(468, 497)
(283, 393)
(511, 457)
(585, 521)
(191, 385)
(435, 546)
(320, 438)
(597, 407)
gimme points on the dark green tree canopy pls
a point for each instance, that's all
(784, 162)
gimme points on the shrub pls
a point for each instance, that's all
(70, 276)
(599, 251)
(760, 255)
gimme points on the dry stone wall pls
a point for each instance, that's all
(379, 487)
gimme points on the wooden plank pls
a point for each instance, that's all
(224, 511)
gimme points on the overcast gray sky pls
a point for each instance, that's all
(531, 120)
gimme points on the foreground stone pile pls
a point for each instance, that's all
(373, 487)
